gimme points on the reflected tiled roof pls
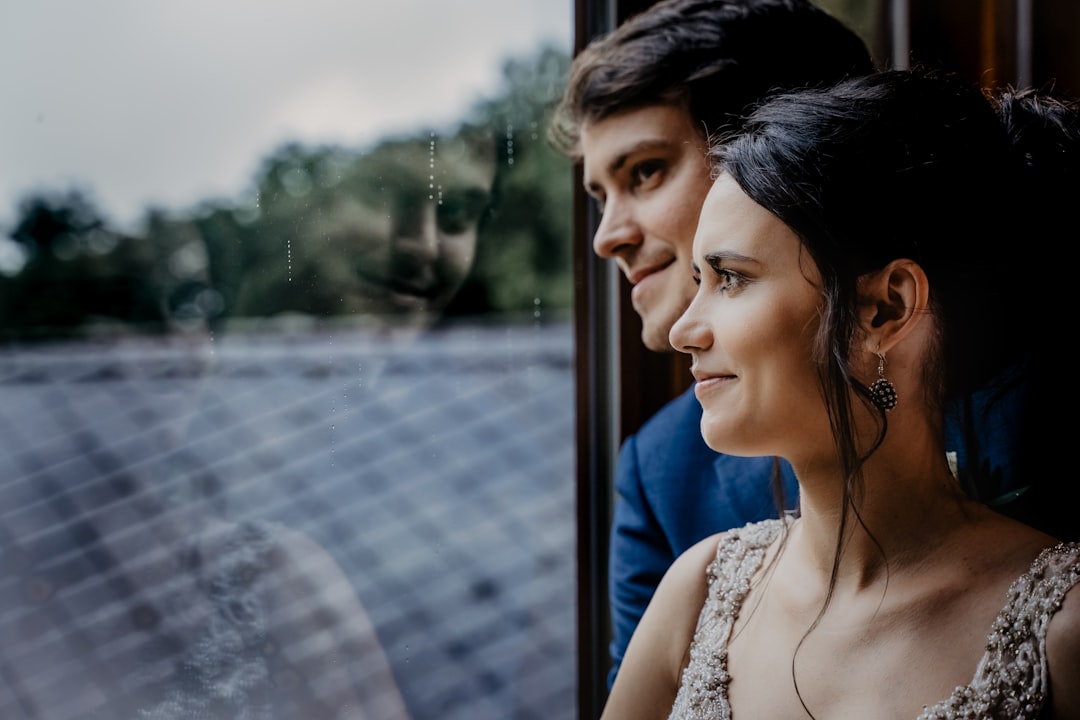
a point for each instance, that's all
(437, 472)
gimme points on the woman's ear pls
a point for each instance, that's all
(892, 302)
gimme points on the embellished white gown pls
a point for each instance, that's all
(1011, 680)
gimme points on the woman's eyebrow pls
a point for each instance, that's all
(717, 259)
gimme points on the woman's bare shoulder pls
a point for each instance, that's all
(690, 567)
(1063, 648)
(681, 595)
(649, 676)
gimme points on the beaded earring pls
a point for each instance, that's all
(882, 391)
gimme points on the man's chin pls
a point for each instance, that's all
(656, 339)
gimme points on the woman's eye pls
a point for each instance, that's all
(727, 281)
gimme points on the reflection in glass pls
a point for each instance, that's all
(304, 450)
(389, 234)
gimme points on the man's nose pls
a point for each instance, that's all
(416, 231)
(618, 230)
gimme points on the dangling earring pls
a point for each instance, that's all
(883, 392)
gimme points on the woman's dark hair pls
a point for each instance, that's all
(713, 57)
(895, 165)
(923, 166)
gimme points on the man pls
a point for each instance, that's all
(639, 108)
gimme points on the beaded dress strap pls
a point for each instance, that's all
(1012, 678)
(702, 693)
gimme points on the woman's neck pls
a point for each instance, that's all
(907, 505)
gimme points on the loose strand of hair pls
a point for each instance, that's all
(838, 383)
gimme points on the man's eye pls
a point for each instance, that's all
(647, 170)
(453, 218)
(460, 211)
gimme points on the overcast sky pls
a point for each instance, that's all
(174, 101)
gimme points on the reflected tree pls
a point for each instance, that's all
(469, 219)
(76, 272)
(524, 256)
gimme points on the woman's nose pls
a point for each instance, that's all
(690, 332)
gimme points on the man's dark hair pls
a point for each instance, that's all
(713, 57)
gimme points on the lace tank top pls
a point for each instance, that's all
(1011, 679)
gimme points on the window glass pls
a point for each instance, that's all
(286, 361)
(871, 20)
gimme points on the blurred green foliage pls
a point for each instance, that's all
(300, 240)
(524, 258)
(867, 19)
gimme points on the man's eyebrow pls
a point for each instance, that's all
(620, 160)
(644, 145)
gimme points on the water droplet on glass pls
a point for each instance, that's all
(296, 180)
(431, 165)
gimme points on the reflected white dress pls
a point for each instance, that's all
(1011, 680)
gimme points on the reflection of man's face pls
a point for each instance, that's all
(406, 222)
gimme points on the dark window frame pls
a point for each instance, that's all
(612, 399)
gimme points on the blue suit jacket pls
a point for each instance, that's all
(672, 491)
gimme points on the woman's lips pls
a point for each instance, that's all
(712, 383)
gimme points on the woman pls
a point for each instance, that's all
(857, 274)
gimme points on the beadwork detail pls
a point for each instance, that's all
(882, 391)
(1010, 681)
